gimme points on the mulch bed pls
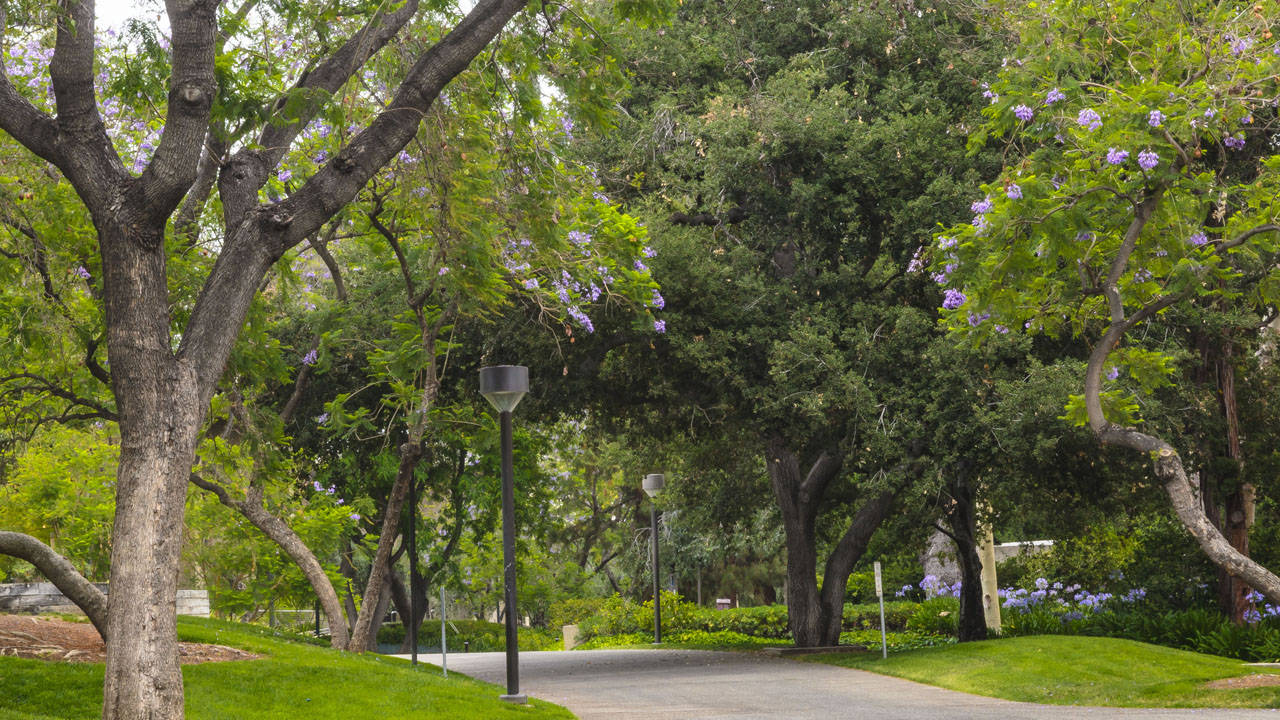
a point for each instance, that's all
(1248, 681)
(41, 638)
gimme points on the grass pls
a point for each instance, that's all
(1072, 670)
(293, 680)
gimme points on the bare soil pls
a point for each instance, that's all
(43, 638)
(1256, 680)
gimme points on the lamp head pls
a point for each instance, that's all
(504, 385)
(653, 484)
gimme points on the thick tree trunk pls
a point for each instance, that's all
(815, 615)
(59, 571)
(281, 534)
(961, 516)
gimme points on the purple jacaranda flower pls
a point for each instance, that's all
(1013, 192)
(657, 301)
(1235, 142)
(1054, 96)
(309, 358)
(1148, 159)
(1089, 118)
(1198, 238)
(648, 252)
(976, 320)
(1113, 372)
(443, 270)
(953, 299)
(1085, 236)
(531, 284)
(354, 516)
(1024, 113)
(1241, 46)
(284, 175)
(600, 196)
(1155, 118)
(1209, 113)
(1002, 329)
(982, 206)
(946, 243)
(322, 418)
(1116, 156)
(641, 267)
(660, 326)
(582, 319)
(81, 273)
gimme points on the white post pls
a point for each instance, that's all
(990, 584)
(444, 644)
(884, 640)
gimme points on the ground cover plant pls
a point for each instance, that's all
(1072, 671)
(293, 679)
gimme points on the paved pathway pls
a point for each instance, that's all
(698, 685)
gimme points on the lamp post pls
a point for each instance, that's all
(503, 386)
(653, 484)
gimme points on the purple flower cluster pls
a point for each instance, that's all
(309, 358)
(1198, 238)
(1013, 192)
(954, 299)
(1115, 156)
(660, 326)
(1089, 118)
(1148, 159)
(1024, 113)
(1155, 118)
(1054, 96)
(1235, 142)
(657, 301)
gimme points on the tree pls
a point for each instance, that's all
(164, 369)
(1142, 182)
(777, 154)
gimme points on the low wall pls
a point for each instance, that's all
(46, 598)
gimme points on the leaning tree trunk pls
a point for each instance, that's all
(1166, 462)
(815, 615)
(59, 571)
(281, 534)
(1237, 517)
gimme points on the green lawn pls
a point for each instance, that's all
(1072, 670)
(294, 680)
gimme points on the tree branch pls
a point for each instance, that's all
(61, 573)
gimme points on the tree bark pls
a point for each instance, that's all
(962, 517)
(281, 534)
(380, 567)
(59, 571)
(815, 615)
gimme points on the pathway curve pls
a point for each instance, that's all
(701, 685)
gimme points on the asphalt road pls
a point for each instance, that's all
(692, 684)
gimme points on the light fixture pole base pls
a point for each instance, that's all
(520, 699)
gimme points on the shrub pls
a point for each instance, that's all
(573, 611)
(936, 616)
(483, 636)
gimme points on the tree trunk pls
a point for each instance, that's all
(281, 534)
(380, 567)
(815, 615)
(961, 515)
(1237, 506)
(59, 571)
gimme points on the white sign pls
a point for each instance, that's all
(879, 582)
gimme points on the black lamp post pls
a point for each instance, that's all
(653, 484)
(503, 386)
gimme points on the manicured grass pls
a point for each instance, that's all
(294, 680)
(1072, 670)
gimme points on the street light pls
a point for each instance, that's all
(503, 386)
(653, 484)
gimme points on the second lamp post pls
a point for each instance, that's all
(503, 386)
(653, 484)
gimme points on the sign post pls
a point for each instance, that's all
(444, 640)
(884, 642)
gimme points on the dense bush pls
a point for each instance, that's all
(616, 617)
(573, 611)
(936, 616)
(483, 636)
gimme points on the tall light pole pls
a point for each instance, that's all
(503, 386)
(653, 484)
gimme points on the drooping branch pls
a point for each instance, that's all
(61, 573)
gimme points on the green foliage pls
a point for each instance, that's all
(476, 635)
(572, 611)
(936, 616)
